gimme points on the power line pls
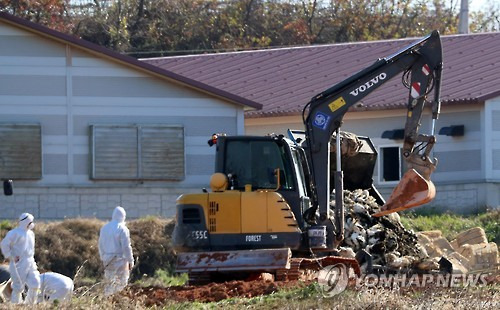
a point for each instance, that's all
(219, 50)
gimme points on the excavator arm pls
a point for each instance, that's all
(421, 63)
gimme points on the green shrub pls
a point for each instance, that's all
(451, 224)
(163, 278)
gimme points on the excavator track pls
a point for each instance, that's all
(198, 278)
(307, 268)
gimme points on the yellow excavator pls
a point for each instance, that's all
(270, 209)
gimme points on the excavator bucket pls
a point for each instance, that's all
(413, 190)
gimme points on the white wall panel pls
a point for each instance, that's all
(34, 110)
(7, 30)
(106, 71)
(33, 100)
(90, 62)
(491, 138)
(166, 102)
(34, 70)
(32, 61)
(147, 111)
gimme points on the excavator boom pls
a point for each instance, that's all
(421, 63)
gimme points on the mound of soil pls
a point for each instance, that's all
(211, 292)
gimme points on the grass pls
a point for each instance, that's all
(163, 278)
(310, 297)
(451, 224)
(150, 237)
(6, 225)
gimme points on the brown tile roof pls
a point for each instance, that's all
(283, 80)
(194, 83)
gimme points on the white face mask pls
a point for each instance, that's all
(31, 225)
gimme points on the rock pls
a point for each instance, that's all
(464, 261)
(432, 250)
(481, 256)
(432, 234)
(474, 235)
(443, 244)
(454, 245)
(266, 277)
(423, 239)
(458, 267)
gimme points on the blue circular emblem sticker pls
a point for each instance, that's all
(321, 120)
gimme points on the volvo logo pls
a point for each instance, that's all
(370, 83)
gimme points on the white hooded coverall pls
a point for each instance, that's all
(116, 252)
(19, 247)
(55, 286)
(5, 288)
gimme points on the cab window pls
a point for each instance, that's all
(255, 162)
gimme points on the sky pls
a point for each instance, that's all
(478, 5)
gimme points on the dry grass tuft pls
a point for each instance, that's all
(151, 241)
(65, 246)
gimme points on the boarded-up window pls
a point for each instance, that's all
(137, 152)
(20, 151)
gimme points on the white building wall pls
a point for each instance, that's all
(491, 147)
(461, 175)
(492, 139)
(66, 89)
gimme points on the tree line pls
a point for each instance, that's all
(150, 28)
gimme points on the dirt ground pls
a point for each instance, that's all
(213, 292)
(210, 292)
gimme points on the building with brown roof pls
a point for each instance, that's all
(283, 80)
(84, 129)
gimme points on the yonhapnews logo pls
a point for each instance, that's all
(334, 279)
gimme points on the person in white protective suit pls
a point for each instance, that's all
(18, 247)
(116, 252)
(5, 287)
(55, 286)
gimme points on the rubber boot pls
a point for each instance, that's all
(31, 297)
(16, 297)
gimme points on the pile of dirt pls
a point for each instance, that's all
(212, 292)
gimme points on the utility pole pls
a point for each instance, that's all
(463, 17)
